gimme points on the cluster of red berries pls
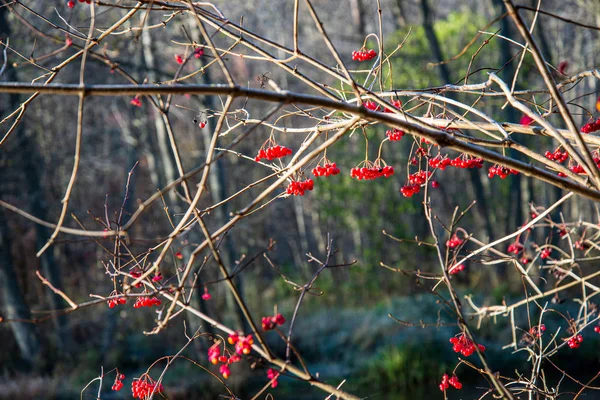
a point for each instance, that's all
(372, 172)
(439, 162)
(501, 171)
(545, 253)
(419, 177)
(118, 385)
(536, 331)
(145, 301)
(71, 3)
(557, 156)
(215, 357)
(157, 278)
(577, 169)
(515, 248)
(447, 382)
(575, 341)
(410, 190)
(269, 323)
(136, 101)
(243, 344)
(363, 55)
(456, 269)
(273, 152)
(394, 135)
(327, 169)
(454, 241)
(464, 345)
(112, 303)
(467, 162)
(273, 376)
(591, 126)
(297, 188)
(396, 104)
(371, 105)
(199, 52)
(144, 386)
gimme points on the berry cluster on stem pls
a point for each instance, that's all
(112, 303)
(454, 241)
(243, 344)
(557, 155)
(145, 301)
(215, 357)
(537, 331)
(118, 384)
(327, 169)
(363, 55)
(370, 171)
(273, 376)
(502, 172)
(591, 126)
(297, 188)
(269, 323)
(447, 382)
(143, 386)
(465, 346)
(270, 150)
(394, 135)
(575, 341)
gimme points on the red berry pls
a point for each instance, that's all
(136, 102)
(179, 58)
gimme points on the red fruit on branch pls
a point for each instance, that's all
(363, 55)
(297, 188)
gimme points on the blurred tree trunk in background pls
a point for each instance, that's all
(28, 156)
(357, 10)
(14, 302)
(515, 216)
(398, 13)
(434, 44)
(166, 165)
